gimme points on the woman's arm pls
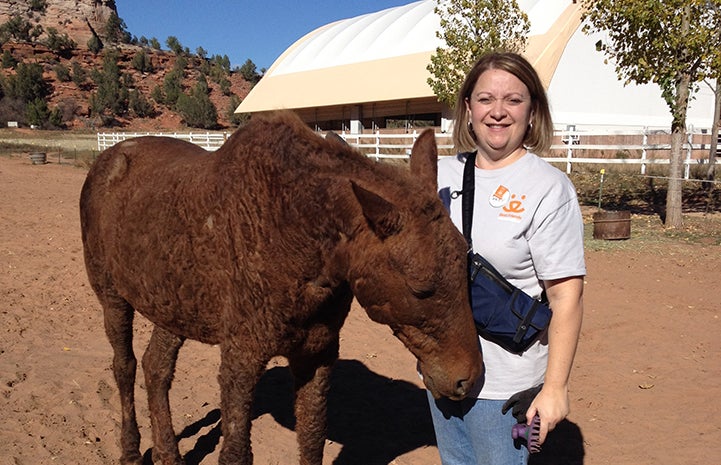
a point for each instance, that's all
(565, 297)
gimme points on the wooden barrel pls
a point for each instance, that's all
(38, 158)
(612, 225)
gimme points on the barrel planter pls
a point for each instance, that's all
(38, 158)
(611, 225)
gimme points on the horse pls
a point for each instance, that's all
(260, 248)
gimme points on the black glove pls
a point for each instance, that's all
(520, 401)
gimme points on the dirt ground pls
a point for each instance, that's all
(645, 387)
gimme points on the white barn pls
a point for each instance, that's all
(357, 73)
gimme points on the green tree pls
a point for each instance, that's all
(236, 119)
(154, 44)
(139, 105)
(141, 62)
(38, 114)
(116, 30)
(112, 88)
(62, 72)
(80, 76)
(174, 45)
(667, 42)
(250, 72)
(94, 44)
(470, 29)
(15, 28)
(8, 60)
(197, 109)
(61, 44)
(172, 87)
(28, 83)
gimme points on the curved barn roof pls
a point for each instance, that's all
(374, 66)
(383, 56)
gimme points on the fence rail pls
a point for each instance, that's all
(208, 140)
(643, 148)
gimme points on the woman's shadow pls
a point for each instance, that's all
(375, 418)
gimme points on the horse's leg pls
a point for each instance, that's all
(240, 371)
(312, 382)
(118, 319)
(158, 367)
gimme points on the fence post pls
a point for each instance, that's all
(569, 156)
(378, 144)
(643, 150)
(689, 151)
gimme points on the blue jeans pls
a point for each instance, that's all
(474, 432)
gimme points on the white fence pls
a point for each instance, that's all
(208, 140)
(642, 148)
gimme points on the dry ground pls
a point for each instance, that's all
(645, 387)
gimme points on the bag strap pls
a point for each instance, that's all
(468, 192)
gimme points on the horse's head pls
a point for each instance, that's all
(411, 275)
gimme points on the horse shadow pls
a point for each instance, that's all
(375, 418)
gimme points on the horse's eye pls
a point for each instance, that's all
(420, 291)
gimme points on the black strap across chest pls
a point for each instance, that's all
(468, 193)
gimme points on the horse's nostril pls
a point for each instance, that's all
(463, 386)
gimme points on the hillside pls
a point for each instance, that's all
(96, 74)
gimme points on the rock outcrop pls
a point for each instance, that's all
(79, 19)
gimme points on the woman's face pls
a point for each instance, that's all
(500, 111)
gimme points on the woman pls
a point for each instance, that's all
(527, 223)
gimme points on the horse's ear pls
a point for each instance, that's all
(424, 159)
(383, 217)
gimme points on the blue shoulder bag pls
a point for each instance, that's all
(503, 313)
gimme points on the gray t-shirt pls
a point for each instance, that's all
(528, 224)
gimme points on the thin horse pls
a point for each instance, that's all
(260, 248)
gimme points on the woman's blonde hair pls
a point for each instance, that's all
(540, 132)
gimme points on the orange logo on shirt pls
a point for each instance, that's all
(515, 205)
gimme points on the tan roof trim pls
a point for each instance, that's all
(370, 81)
(544, 51)
(390, 79)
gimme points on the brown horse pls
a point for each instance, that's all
(260, 248)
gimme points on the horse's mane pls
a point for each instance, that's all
(266, 141)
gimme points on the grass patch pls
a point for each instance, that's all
(649, 234)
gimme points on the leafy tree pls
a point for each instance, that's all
(201, 53)
(38, 5)
(28, 83)
(154, 44)
(141, 62)
(15, 28)
(61, 44)
(669, 42)
(250, 72)
(470, 29)
(80, 76)
(94, 44)
(172, 87)
(8, 60)
(157, 94)
(38, 114)
(139, 105)
(112, 89)
(236, 119)
(174, 45)
(62, 72)
(116, 30)
(196, 108)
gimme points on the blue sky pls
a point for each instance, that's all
(257, 29)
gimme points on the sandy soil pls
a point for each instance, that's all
(645, 387)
